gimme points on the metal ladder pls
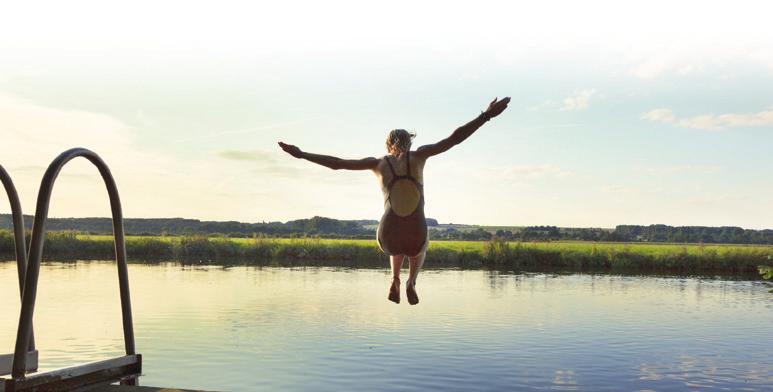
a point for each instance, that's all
(20, 243)
(124, 369)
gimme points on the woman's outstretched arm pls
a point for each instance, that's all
(460, 134)
(329, 161)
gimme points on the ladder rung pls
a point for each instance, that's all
(6, 362)
(78, 377)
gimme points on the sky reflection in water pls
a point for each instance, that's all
(246, 328)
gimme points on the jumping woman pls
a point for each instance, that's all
(402, 231)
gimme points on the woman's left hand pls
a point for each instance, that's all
(496, 107)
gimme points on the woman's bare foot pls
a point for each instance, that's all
(394, 291)
(410, 292)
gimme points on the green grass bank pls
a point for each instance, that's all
(688, 259)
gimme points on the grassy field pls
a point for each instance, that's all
(536, 256)
(650, 248)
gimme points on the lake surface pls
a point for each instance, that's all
(248, 328)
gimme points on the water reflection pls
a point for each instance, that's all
(247, 328)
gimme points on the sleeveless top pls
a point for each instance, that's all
(403, 227)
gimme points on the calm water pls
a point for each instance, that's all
(249, 329)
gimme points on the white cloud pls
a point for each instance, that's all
(621, 189)
(43, 126)
(762, 55)
(681, 169)
(660, 115)
(252, 130)
(713, 53)
(33, 135)
(246, 185)
(530, 172)
(151, 183)
(546, 104)
(717, 199)
(579, 100)
(630, 190)
(711, 121)
(668, 61)
(247, 155)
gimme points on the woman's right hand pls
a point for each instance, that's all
(497, 107)
(290, 149)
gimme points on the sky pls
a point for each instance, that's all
(621, 113)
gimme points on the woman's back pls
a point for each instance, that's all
(400, 165)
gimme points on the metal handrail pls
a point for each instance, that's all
(24, 332)
(18, 235)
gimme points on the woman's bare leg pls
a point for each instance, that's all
(414, 264)
(394, 290)
(397, 264)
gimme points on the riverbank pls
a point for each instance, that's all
(695, 259)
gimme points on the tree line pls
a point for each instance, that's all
(334, 228)
(632, 233)
(621, 233)
(316, 226)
